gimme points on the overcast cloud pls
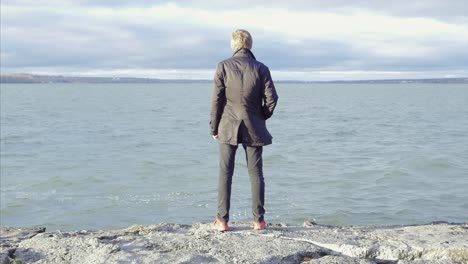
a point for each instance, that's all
(309, 40)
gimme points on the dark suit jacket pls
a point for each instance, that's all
(244, 97)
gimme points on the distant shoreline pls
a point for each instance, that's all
(32, 78)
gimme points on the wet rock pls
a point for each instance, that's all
(172, 243)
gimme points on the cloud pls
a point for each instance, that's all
(192, 36)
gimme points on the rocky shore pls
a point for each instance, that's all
(173, 243)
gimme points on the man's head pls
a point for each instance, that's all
(241, 39)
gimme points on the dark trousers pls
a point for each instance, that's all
(227, 154)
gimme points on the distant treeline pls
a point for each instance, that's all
(31, 78)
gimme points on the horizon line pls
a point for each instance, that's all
(3, 75)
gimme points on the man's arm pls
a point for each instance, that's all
(270, 97)
(218, 99)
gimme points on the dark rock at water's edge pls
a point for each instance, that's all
(173, 243)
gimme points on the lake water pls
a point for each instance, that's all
(91, 156)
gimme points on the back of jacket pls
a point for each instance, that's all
(244, 97)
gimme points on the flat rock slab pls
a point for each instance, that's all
(172, 243)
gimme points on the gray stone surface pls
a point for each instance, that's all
(172, 243)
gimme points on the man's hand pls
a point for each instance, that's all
(215, 137)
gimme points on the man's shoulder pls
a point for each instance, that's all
(225, 61)
(222, 64)
(262, 65)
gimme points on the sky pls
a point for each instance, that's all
(297, 39)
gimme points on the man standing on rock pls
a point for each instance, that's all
(243, 98)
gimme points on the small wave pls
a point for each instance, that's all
(184, 194)
(419, 164)
(444, 163)
(7, 138)
(17, 155)
(344, 133)
(54, 182)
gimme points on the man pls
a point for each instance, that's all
(243, 98)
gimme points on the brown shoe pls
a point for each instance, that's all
(218, 225)
(259, 225)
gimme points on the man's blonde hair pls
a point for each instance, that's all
(241, 39)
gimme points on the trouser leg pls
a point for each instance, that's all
(255, 166)
(227, 154)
